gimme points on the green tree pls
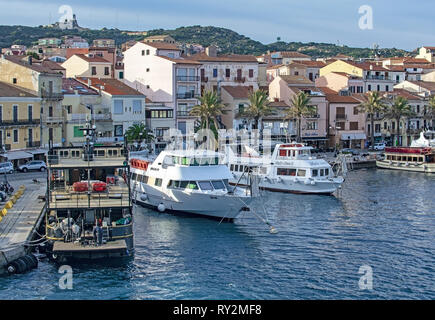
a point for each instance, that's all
(299, 108)
(372, 104)
(258, 108)
(139, 133)
(209, 109)
(397, 110)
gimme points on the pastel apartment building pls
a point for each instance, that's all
(170, 82)
(80, 65)
(314, 127)
(20, 124)
(46, 83)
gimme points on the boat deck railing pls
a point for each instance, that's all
(66, 198)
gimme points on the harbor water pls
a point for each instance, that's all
(382, 219)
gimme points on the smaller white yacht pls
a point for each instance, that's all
(188, 181)
(290, 168)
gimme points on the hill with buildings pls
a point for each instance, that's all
(226, 40)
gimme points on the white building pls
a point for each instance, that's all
(170, 82)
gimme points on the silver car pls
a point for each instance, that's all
(33, 165)
(6, 167)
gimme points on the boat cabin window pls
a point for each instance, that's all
(236, 167)
(75, 153)
(322, 172)
(227, 184)
(134, 176)
(183, 184)
(144, 179)
(205, 185)
(326, 172)
(192, 185)
(158, 182)
(314, 172)
(286, 172)
(218, 185)
(63, 153)
(232, 167)
(301, 172)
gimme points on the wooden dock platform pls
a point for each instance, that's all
(17, 226)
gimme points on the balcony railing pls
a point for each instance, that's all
(312, 116)
(24, 122)
(33, 144)
(184, 113)
(187, 78)
(49, 95)
(339, 116)
(380, 77)
(84, 116)
(52, 119)
(240, 79)
(187, 95)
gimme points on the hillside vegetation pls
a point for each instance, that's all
(227, 40)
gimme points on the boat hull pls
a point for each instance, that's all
(208, 205)
(325, 187)
(424, 168)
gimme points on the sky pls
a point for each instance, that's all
(401, 24)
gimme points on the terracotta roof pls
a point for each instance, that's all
(405, 94)
(293, 54)
(334, 97)
(419, 66)
(224, 58)
(310, 63)
(424, 84)
(72, 51)
(346, 74)
(395, 67)
(9, 90)
(278, 104)
(70, 84)
(23, 61)
(185, 61)
(162, 45)
(276, 66)
(367, 66)
(111, 86)
(296, 79)
(52, 65)
(92, 59)
(430, 48)
(238, 92)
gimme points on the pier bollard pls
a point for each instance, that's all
(3, 212)
(9, 205)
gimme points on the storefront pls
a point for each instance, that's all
(353, 140)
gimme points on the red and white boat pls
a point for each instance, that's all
(418, 159)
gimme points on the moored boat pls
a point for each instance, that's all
(187, 181)
(290, 168)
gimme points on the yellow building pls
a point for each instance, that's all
(27, 74)
(342, 66)
(19, 123)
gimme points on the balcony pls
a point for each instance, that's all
(50, 95)
(184, 114)
(52, 119)
(33, 144)
(239, 79)
(188, 95)
(380, 77)
(312, 116)
(14, 123)
(340, 116)
(204, 79)
(188, 78)
(82, 117)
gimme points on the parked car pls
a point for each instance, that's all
(6, 167)
(33, 165)
(379, 146)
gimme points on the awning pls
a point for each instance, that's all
(15, 155)
(353, 136)
(314, 138)
(38, 151)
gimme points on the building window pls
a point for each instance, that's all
(251, 73)
(227, 73)
(215, 73)
(148, 52)
(118, 130)
(50, 134)
(94, 71)
(143, 52)
(15, 135)
(106, 71)
(30, 112)
(14, 80)
(148, 70)
(121, 75)
(162, 113)
(340, 126)
(385, 125)
(353, 125)
(378, 88)
(15, 113)
(118, 107)
(387, 88)
(369, 87)
(1, 115)
(241, 108)
(137, 106)
(355, 110)
(311, 125)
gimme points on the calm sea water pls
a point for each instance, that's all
(384, 219)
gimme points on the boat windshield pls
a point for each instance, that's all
(195, 161)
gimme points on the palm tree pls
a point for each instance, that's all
(138, 133)
(397, 110)
(209, 109)
(372, 104)
(299, 108)
(258, 108)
